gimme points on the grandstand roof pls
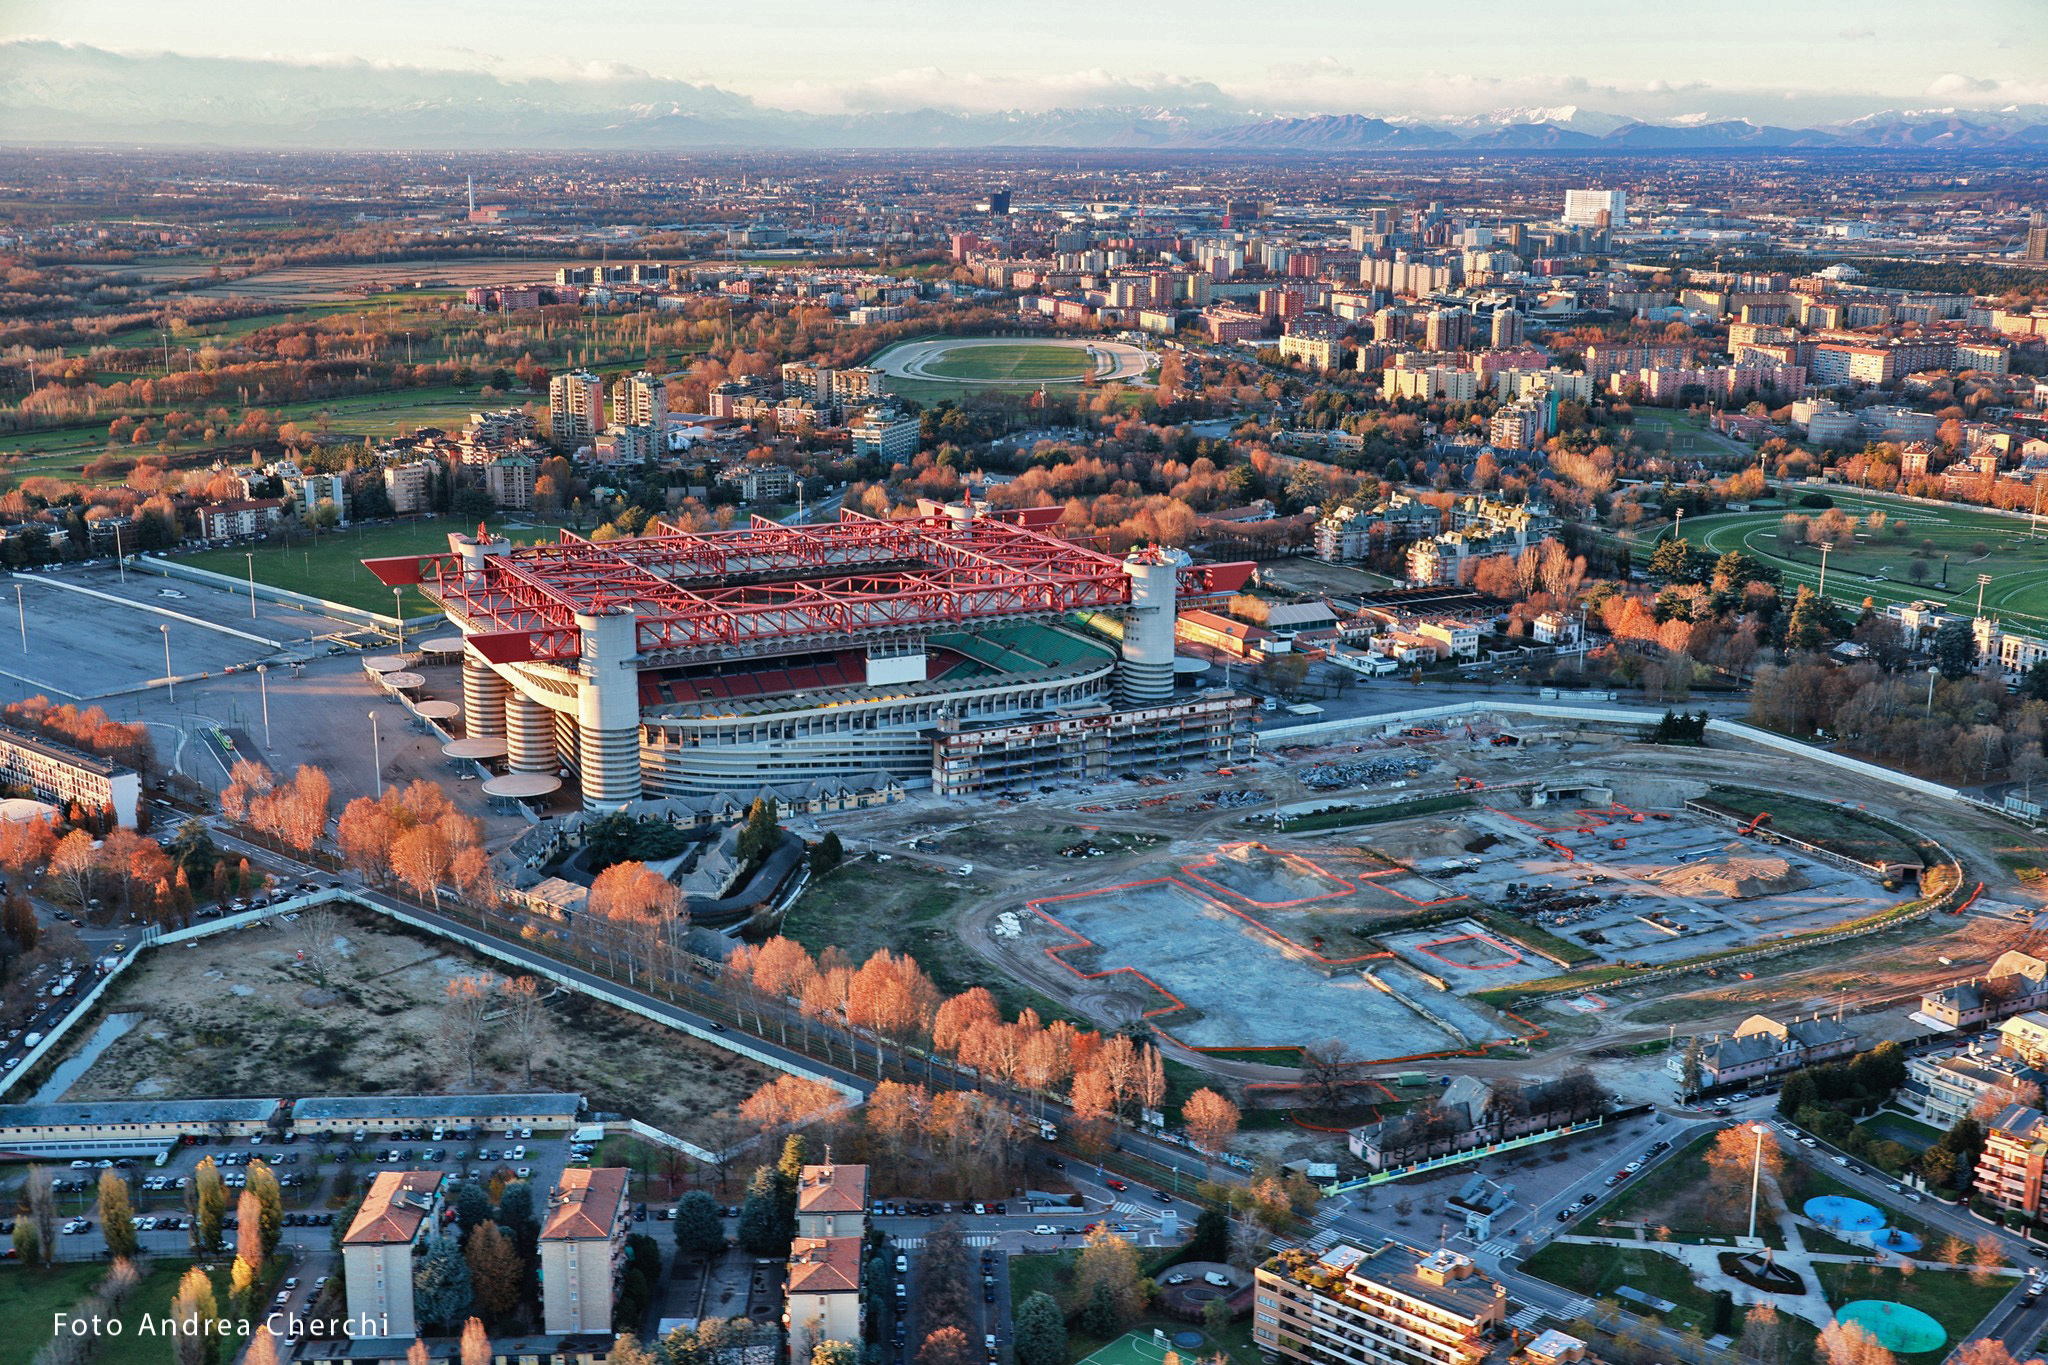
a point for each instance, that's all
(705, 593)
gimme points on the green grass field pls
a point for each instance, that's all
(30, 1298)
(330, 566)
(1880, 566)
(1023, 363)
(66, 450)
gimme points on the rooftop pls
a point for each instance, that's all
(824, 1265)
(189, 1113)
(699, 592)
(57, 749)
(356, 1108)
(832, 1189)
(398, 1202)
(585, 1205)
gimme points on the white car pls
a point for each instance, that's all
(1045, 1230)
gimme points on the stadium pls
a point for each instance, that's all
(959, 651)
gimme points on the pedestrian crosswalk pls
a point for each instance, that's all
(910, 1243)
(1528, 1318)
(1499, 1246)
(981, 1239)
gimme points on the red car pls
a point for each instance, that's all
(1116, 1184)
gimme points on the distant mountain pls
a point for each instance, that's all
(62, 92)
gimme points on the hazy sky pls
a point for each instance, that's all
(1774, 60)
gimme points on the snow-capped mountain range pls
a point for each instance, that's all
(60, 92)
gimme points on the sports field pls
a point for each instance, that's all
(1880, 563)
(329, 566)
(1023, 363)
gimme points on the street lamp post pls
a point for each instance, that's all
(1932, 673)
(264, 683)
(21, 612)
(1756, 1175)
(170, 684)
(250, 556)
(1825, 546)
(1983, 582)
(376, 756)
(398, 616)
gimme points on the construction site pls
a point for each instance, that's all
(1411, 914)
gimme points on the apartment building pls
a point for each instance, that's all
(1392, 1303)
(885, 434)
(410, 486)
(640, 400)
(575, 407)
(822, 1301)
(583, 1249)
(1324, 353)
(2010, 1170)
(377, 1251)
(509, 481)
(832, 1201)
(55, 771)
(240, 518)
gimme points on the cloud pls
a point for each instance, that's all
(1988, 91)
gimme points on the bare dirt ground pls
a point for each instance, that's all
(238, 1015)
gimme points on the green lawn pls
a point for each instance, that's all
(1953, 1299)
(1908, 1132)
(330, 566)
(1022, 363)
(30, 1298)
(1598, 1271)
(1974, 542)
(1676, 1194)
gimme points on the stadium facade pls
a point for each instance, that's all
(962, 651)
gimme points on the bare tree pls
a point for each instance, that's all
(469, 1002)
(1325, 1071)
(527, 1026)
(313, 935)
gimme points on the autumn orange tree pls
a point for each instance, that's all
(293, 812)
(416, 835)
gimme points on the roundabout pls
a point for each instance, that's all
(1015, 362)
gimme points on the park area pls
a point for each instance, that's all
(1898, 551)
(329, 565)
(241, 1014)
(30, 1299)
